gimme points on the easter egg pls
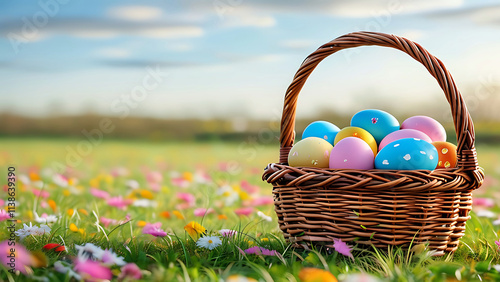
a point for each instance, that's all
(377, 122)
(447, 153)
(351, 153)
(310, 152)
(427, 125)
(403, 133)
(321, 129)
(359, 133)
(407, 154)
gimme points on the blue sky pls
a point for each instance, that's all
(235, 58)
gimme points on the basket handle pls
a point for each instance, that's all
(466, 152)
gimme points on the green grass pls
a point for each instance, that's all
(176, 256)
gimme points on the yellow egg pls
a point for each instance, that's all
(359, 132)
(310, 152)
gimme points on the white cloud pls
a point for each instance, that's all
(135, 13)
(373, 8)
(248, 20)
(412, 34)
(299, 44)
(172, 32)
(113, 52)
(180, 47)
(483, 14)
(106, 28)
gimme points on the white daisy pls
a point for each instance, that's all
(264, 217)
(209, 242)
(32, 230)
(230, 195)
(45, 219)
(60, 180)
(486, 213)
(89, 251)
(145, 203)
(109, 257)
(61, 267)
(132, 184)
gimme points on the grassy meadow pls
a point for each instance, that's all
(147, 204)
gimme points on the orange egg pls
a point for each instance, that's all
(352, 131)
(447, 154)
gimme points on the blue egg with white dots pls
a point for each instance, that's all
(407, 154)
(321, 129)
(377, 122)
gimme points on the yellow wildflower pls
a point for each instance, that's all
(188, 176)
(239, 278)
(178, 214)
(194, 229)
(165, 214)
(52, 205)
(75, 229)
(34, 176)
(222, 216)
(146, 194)
(83, 211)
(311, 274)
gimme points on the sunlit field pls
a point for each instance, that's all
(195, 212)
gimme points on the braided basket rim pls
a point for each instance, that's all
(400, 207)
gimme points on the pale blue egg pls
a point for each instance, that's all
(407, 154)
(377, 122)
(321, 129)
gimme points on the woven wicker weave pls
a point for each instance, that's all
(376, 207)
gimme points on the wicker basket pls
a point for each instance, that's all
(376, 207)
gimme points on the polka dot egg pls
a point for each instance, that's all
(407, 154)
(447, 154)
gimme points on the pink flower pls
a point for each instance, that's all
(119, 171)
(498, 244)
(93, 270)
(342, 248)
(40, 193)
(180, 182)
(485, 202)
(154, 229)
(249, 187)
(260, 251)
(202, 177)
(107, 221)
(227, 233)
(154, 177)
(4, 215)
(99, 193)
(202, 211)
(154, 186)
(119, 202)
(130, 270)
(244, 211)
(188, 198)
(125, 220)
(262, 201)
(20, 259)
(1, 203)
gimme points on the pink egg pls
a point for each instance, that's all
(427, 125)
(403, 133)
(352, 153)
